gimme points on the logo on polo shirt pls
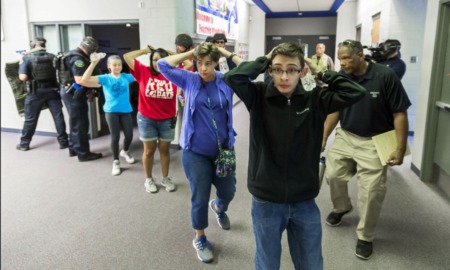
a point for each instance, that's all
(374, 94)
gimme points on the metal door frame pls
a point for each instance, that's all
(427, 173)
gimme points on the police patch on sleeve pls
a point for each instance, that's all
(79, 63)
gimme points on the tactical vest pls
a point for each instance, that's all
(43, 72)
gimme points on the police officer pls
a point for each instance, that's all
(77, 105)
(42, 88)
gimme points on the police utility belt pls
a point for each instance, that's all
(33, 85)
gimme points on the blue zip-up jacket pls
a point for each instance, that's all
(286, 133)
(191, 82)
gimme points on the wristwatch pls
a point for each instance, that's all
(232, 55)
(321, 76)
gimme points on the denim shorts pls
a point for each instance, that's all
(152, 130)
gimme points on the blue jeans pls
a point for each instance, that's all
(152, 130)
(201, 173)
(304, 234)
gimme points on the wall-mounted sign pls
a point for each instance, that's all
(217, 16)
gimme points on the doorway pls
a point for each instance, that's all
(436, 160)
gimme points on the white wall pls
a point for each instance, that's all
(159, 23)
(346, 25)
(403, 20)
(427, 43)
(257, 33)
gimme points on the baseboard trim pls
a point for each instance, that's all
(415, 169)
(40, 133)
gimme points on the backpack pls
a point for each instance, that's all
(43, 71)
(64, 74)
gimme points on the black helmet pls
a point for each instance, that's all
(219, 36)
(184, 40)
(89, 44)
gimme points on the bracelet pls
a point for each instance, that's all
(232, 55)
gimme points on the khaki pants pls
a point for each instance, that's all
(350, 155)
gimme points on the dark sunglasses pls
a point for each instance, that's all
(219, 41)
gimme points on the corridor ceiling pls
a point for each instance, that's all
(298, 8)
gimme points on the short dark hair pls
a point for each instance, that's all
(219, 36)
(89, 44)
(290, 49)
(209, 39)
(184, 40)
(38, 41)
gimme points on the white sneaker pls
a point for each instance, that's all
(128, 157)
(168, 184)
(116, 167)
(150, 185)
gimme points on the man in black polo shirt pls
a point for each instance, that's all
(353, 152)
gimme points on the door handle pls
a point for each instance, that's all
(443, 105)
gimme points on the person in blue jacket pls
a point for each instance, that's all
(207, 121)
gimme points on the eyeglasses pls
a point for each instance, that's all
(352, 44)
(289, 72)
(219, 41)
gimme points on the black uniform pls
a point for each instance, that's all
(78, 109)
(44, 94)
(397, 65)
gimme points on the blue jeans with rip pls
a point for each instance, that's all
(200, 171)
(304, 233)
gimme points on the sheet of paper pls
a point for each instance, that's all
(385, 144)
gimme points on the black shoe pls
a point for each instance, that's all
(335, 219)
(90, 156)
(63, 145)
(72, 152)
(364, 249)
(22, 148)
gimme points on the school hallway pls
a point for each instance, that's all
(58, 213)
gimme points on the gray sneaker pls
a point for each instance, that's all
(168, 184)
(150, 185)
(222, 218)
(203, 248)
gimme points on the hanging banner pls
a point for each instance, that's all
(217, 16)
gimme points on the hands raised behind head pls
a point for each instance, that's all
(96, 57)
(224, 52)
(150, 48)
(313, 67)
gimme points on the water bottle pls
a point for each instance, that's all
(321, 170)
(223, 65)
(308, 81)
(97, 56)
